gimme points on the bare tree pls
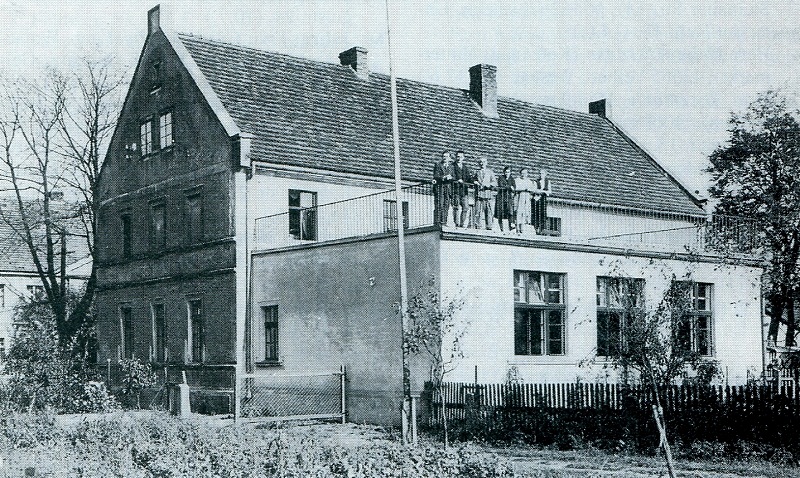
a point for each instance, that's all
(436, 333)
(54, 133)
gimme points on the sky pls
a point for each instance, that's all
(672, 72)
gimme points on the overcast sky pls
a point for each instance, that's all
(672, 71)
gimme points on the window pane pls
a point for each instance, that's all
(270, 333)
(166, 129)
(555, 332)
(602, 290)
(127, 333)
(683, 334)
(521, 333)
(704, 335)
(198, 332)
(535, 325)
(519, 286)
(553, 288)
(535, 295)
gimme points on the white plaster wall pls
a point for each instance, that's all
(485, 273)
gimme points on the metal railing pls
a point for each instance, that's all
(567, 221)
(293, 396)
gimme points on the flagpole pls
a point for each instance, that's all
(401, 250)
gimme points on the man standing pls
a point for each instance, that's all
(461, 179)
(542, 191)
(485, 184)
(442, 180)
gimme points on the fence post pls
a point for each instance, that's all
(342, 381)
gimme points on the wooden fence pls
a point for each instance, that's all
(600, 411)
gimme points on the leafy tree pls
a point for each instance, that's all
(756, 174)
(435, 332)
(54, 131)
(42, 373)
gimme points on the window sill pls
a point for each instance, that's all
(276, 363)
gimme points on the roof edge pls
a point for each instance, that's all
(700, 203)
(230, 126)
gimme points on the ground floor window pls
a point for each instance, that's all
(694, 328)
(126, 327)
(196, 331)
(539, 313)
(270, 314)
(159, 333)
(619, 299)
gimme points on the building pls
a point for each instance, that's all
(247, 227)
(19, 280)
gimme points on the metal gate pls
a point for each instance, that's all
(273, 397)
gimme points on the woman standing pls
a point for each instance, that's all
(504, 203)
(540, 206)
(524, 187)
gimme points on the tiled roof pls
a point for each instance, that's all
(322, 115)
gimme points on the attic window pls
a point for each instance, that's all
(156, 73)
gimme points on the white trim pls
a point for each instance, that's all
(231, 129)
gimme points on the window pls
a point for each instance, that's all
(196, 331)
(159, 333)
(303, 215)
(194, 218)
(158, 225)
(390, 215)
(146, 137)
(539, 313)
(2, 349)
(2, 295)
(693, 331)
(165, 129)
(35, 292)
(270, 314)
(618, 298)
(126, 326)
(126, 235)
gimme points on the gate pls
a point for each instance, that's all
(274, 397)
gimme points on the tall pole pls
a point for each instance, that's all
(401, 248)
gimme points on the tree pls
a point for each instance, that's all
(54, 132)
(435, 332)
(650, 342)
(756, 174)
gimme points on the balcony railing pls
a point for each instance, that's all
(567, 222)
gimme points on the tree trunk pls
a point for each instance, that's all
(791, 326)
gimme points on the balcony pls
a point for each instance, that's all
(568, 222)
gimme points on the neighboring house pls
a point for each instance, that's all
(231, 242)
(19, 280)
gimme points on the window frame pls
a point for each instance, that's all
(270, 354)
(690, 320)
(127, 332)
(158, 243)
(305, 215)
(196, 332)
(127, 234)
(390, 215)
(535, 332)
(160, 354)
(606, 306)
(162, 143)
(146, 146)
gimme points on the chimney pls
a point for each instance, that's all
(153, 20)
(483, 88)
(599, 108)
(356, 58)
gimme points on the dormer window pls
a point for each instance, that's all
(146, 137)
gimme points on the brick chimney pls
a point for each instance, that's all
(153, 20)
(483, 88)
(599, 108)
(356, 58)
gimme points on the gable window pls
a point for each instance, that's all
(126, 330)
(539, 313)
(693, 330)
(303, 215)
(618, 299)
(390, 215)
(197, 335)
(159, 333)
(146, 137)
(158, 226)
(126, 235)
(270, 314)
(165, 129)
(194, 218)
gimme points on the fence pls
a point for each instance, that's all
(568, 221)
(609, 411)
(293, 396)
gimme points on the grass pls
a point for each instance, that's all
(153, 444)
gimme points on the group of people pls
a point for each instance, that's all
(480, 196)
